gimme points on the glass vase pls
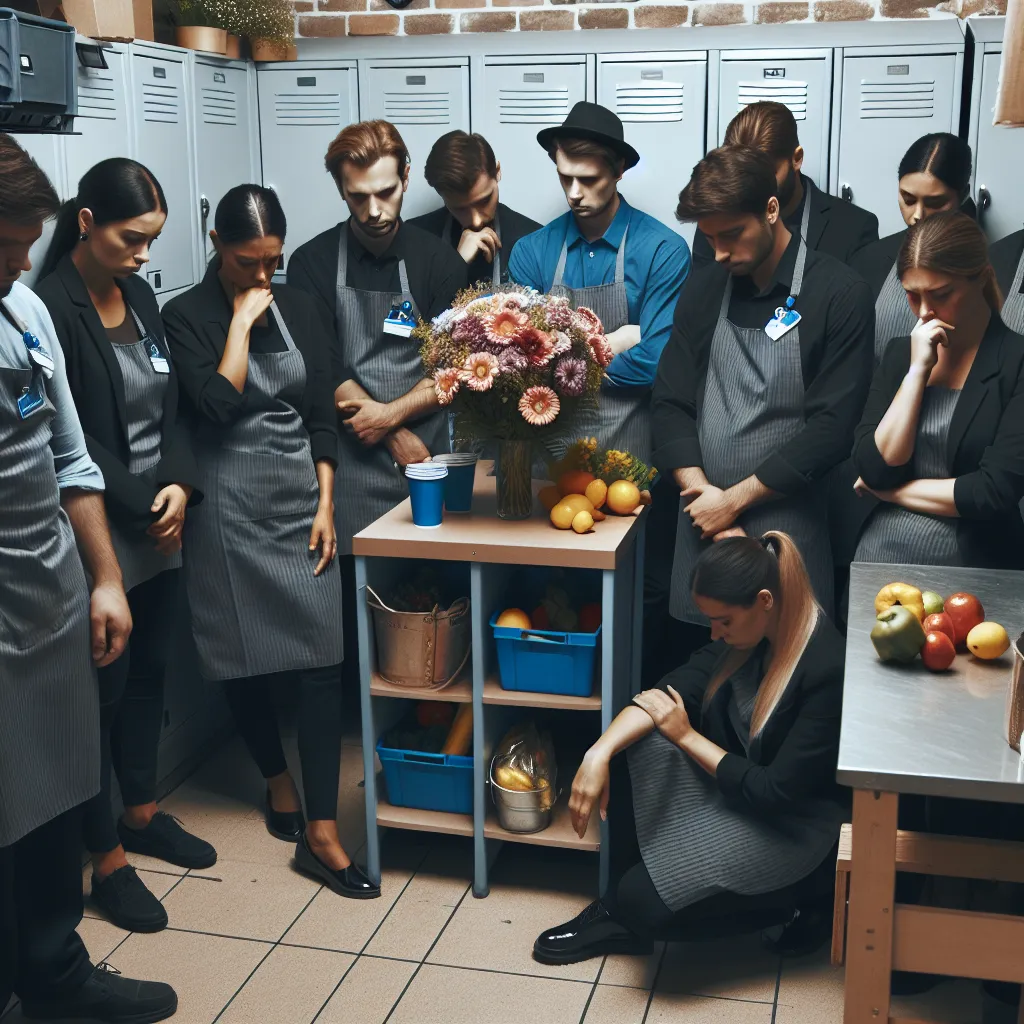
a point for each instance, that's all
(513, 479)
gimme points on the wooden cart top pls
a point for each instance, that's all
(480, 536)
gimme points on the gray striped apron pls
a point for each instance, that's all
(694, 843)
(753, 403)
(622, 419)
(1013, 306)
(49, 702)
(895, 534)
(144, 391)
(256, 606)
(893, 316)
(387, 366)
(495, 264)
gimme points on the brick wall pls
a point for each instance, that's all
(334, 18)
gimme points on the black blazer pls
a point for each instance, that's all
(985, 447)
(874, 262)
(197, 325)
(835, 227)
(98, 390)
(794, 757)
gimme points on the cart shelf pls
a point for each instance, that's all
(459, 692)
(424, 821)
(559, 833)
(494, 694)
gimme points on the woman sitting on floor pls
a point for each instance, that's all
(725, 801)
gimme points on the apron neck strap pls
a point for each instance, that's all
(289, 341)
(620, 259)
(403, 280)
(343, 257)
(798, 280)
(1018, 278)
(139, 325)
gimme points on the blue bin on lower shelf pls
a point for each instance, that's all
(430, 782)
(546, 661)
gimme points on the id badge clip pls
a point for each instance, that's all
(157, 359)
(785, 319)
(37, 354)
(32, 397)
(399, 320)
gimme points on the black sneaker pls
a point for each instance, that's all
(124, 898)
(166, 839)
(110, 998)
(593, 933)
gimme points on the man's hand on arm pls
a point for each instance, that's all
(714, 510)
(405, 447)
(625, 338)
(374, 422)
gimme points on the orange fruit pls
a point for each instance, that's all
(562, 515)
(597, 492)
(514, 617)
(583, 522)
(549, 496)
(623, 497)
(576, 481)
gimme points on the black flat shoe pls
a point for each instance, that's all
(123, 897)
(351, 882)
(166, 839)
(110, 998)
(592, 933)
(287, 826)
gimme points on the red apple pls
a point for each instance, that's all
(966, 611)
(938, 652)
(940, 622)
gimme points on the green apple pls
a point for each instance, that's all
(933, 603)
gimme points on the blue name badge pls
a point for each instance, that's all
(399, 320)
(157, 359)
(785, 320)
(32, 397)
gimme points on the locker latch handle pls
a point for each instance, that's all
(204, 208)
(847, 193)
(984, 198)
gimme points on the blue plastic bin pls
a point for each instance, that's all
(431, 782)
(545, 661)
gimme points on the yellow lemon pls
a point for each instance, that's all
(580, 502)
(597, 492)
(987, 640)
(549, 496)
(623, 497)
(582, 522)
(562, 515)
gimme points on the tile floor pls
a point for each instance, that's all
(252, 942)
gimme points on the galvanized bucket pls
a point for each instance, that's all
(521, 810)
(421, 650)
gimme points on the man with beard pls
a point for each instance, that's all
(764, 378)
(834, 226)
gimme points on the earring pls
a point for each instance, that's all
(84, 236)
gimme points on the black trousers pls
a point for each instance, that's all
(41, 905)
(633, 900)
(131, 709)
(319, 728)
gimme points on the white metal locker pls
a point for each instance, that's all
(522, 95)
(224, 138)
(798, 78)
(162, 143)
(661, 104)
(889, 101)
(301, 112)
(47, 151)
(423, 100)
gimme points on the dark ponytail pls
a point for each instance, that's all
(946, 157)
(114, 190)
(248, 212)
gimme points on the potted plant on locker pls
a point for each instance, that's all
(202, 24)
(269, 25)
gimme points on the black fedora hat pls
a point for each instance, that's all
(594, 122)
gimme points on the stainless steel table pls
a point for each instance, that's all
(908, 730)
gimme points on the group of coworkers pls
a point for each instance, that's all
(809, 393)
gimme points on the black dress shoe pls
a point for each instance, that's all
(592, 933)
(110, 998)
(166, 839)
(805, 933)
(350, 882)
(287, 826)
(124, 898)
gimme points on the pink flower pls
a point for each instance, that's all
(506, 326)
(513, 359)
(602, 350)
(588, 321)
(571, 377)
(446, 384)
(539, 406)
(469, 329)
(562, 343)
(479, 371)
(539, 346)
(559, 317)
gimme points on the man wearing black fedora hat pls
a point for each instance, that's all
(618, 261)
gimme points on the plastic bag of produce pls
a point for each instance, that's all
(525, 761)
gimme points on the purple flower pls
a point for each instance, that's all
(571, 377)
(513, 359)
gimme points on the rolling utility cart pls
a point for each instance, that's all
(483, 552)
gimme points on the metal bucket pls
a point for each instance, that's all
(421, 650)
(520, 810)
(1015, 697)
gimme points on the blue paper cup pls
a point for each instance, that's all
(426, 488)
(458, 485)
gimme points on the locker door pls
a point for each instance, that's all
(301, 112)
(519, 100)
(661, 105)
(103, 117)
(801, 83)
(887, 103)
(223, 138)
(46, 151)
(997, 162)
(162, 144)
(423, 103)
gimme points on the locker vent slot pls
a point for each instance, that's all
(896, 99)
(160, 102)
(220, 106)
(649, 101)
(782, 90)
(307, 108)
(96, 96)
(549, 105)
(417, 107)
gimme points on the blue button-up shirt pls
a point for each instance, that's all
(657, 263)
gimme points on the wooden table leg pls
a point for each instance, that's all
(872, 894)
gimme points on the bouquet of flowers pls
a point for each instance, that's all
(514, 365)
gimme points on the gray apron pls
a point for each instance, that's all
(495, 263)
(622, 419)
(895, 534)
(49, 702)
(256, 606)
(753, 403)
(144, 391)
(893, 316)
(1013, 307)
(368, 482)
